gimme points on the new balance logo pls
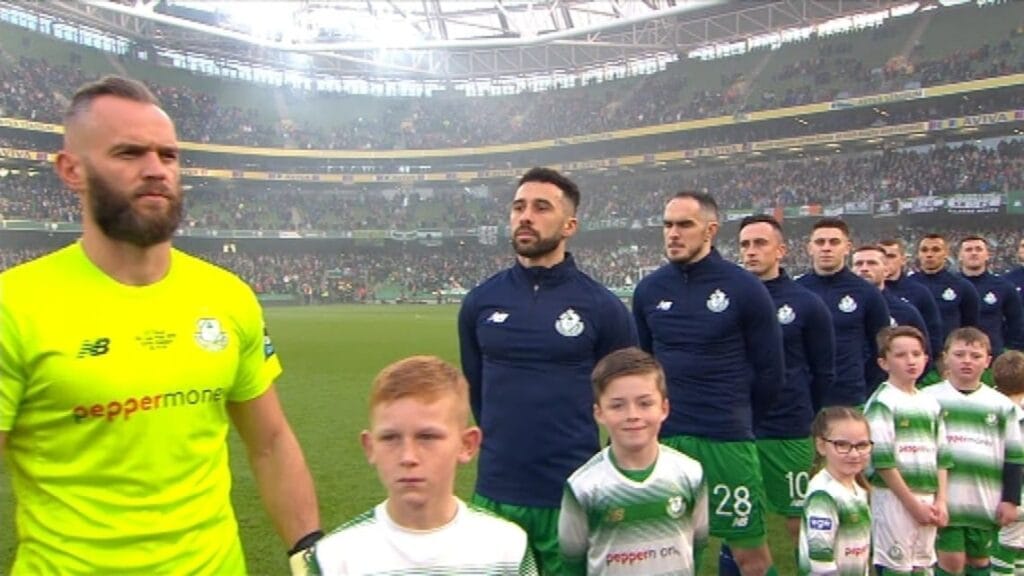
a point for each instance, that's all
(97, 347)
(498, 317)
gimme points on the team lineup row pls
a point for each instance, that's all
(748, 358)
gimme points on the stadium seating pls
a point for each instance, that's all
(923, 50)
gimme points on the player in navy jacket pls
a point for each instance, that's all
(1000, 314)
(857, 308)
(1016, 276)
(783, 435)
(529, 338)
(712, 326)
(957, 299)
(898, 284)
(869, 263)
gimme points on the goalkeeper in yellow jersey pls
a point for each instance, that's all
(122, 362)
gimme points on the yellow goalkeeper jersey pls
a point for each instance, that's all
(114, 399)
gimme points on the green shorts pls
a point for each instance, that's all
(736, 500)
(785, 466)
(540, 525)
(975, 542)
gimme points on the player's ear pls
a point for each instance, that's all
(570, 227)
(367, 442)
(471, 438)
(70, 170)
(712, 229)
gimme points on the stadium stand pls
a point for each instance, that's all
(621, 207)
(870, 61)
(870, 177)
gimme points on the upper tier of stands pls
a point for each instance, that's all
(938, 47)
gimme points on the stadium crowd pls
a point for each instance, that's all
(406, 271)
(32, 88)
(873, 177)
(619, 246)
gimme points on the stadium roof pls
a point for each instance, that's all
(441, 23)
(445, 39)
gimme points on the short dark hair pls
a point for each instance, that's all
(874, 247)
(974, 238)
(1008, 372)
(932, 236)
(631, 361)
(759, 219)
(550, 176)
(704, 200)
(830, 222)
(118, 86)
(968, 335)
(897, 242)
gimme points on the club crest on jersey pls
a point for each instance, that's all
(949, 294)
(615, 515)
(664, 305)
(990, 299)
(786, 314)
(991, 419)
(718, 301)
(895, 552)
(847, 304)
(676, 507)
(210, 336)
(569, 324)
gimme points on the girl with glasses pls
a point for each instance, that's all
(835, 531)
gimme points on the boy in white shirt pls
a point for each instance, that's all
(419, 433)
(984, 438)
(910, 460)
(637, 507)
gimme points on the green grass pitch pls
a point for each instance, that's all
(330, 355)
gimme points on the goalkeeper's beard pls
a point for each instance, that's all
(116, 216)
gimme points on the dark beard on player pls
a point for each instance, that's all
(117, 218)
(542, 247)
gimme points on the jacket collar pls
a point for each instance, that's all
(541, 275)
